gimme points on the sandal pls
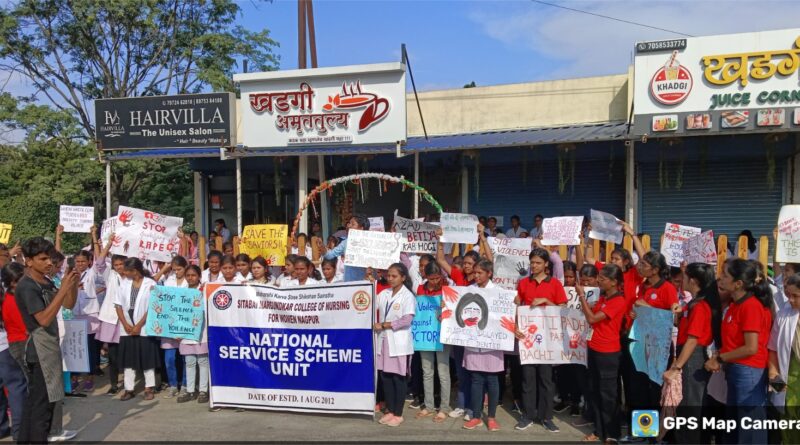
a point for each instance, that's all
(126, 395)
(423, 413)
(591, 438)
(149, 394)
(440, 417)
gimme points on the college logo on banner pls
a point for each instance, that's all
(222, 300)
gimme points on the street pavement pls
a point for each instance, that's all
(100, 417)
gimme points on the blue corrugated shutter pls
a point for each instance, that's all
(727, 197)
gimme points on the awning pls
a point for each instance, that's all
(609, 131)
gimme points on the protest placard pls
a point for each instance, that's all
(294, 349)
(175, 312)
(675, 235)
(479, 317)
(425, 327)
(75, 346)
(376, 224)
(265, 240)
(416, 236)
(605, 227)
(510, 260)
(700, 249)
(788, 244)
(553, 335)
(573, 301)
(562, 230)
(109, 226)
(652, 336)
(5, 233)
(77, 219)
(459, 228)
(146, 235)
(378, 250)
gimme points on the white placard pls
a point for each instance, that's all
(417, 236)
(700, 249)
(511, 260)
(75, 346)
(146, 235)
(553, 335)
(376, 224)
(459, 228)
(378, 250)
(76, 219)
(788, 245)
(674, 237)
(605, 227)
(479, 317)
(562, 230)
(347, 105)
(573, 301)
(109, 226)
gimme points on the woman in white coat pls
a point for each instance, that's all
(137, 351)
(394, 312)
(784, 357)
(109, 321)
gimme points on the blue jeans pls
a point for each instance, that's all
(481, 380)
(464, 381)
(172, 360)
(12, 377)
(747, 397)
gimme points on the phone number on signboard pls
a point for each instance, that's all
(644, 47)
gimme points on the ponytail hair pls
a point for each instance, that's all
(705, 275)
(750, 273)
(403, 271)
(627, 259)
(656, 260)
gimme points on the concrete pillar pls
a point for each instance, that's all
(631, 193)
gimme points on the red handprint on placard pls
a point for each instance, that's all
(508, 324)
(449, 294)
(125, 218)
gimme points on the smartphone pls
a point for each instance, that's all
(777, 384)
(70, 264)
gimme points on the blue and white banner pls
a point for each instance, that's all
(295, 349)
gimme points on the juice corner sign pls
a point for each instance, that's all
(672, 83)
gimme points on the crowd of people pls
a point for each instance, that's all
(736, 346)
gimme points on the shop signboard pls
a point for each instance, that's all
(724, 84)
(348, 105)
(181, 121)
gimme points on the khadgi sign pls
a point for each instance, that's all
(718, 84)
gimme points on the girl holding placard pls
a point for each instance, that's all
(195, 353)
(394, 311)
(172, 362)
(109, 322)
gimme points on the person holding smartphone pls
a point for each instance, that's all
(784, 358)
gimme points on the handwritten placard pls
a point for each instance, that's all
(109, 226)
(417, 236)
(175, 312)
(562, 230)
(788, 245)
(700, 249)
(5, 233)
(459, 228)
(511, 261)
(479, 317)
(675, 235)
(265, 240)
(652, 337)
(378, 250)
(146, 235)
(605, 227)
(573, 301)
(76, 219)
(425, 327)
(376, 224)
(75, 346)
(553, 335)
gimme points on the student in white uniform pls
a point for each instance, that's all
(228, 273)
(243, 263)
(303, 269)
(286, 278)
(212, 274)
(259, 271)
(173, 274)
(329, 271)
(109, 322)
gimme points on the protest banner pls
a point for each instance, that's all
(459, 228)
(605, 227)
(75, 346)
(652, 336)
(675, 235)
(553, 335)
(76, 219)
(510, 260)
(378, 250)
(295, 349)
(5, 233)
(265, 240)
(479, 317)
(376, 224)
(788, 243)
(146, 235)
(416, 236)
(425, 327)
(109, 226)
(175, 312)
(700, 249)
(573, 301)
(562, 231)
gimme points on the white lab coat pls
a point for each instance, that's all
(123, 300)
(403, 303)
(108, 310)
(780, 341)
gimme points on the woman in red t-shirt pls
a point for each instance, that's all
(698, 327)
(604, 352)
(745, 333)
(12, 319)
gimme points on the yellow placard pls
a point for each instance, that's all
(266, 240)
(5, 233)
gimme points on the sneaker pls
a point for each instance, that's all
(202, 397)
(64, 436)
(582, 421)
(550, 426)
(517, 409)
(112, 391)
(170, 392)
(186, 397)
(523, 424)
(492, 425)
(410, 397)
(472, 424)
(456, 413)
(467, 417)
(574, 411)
(416, 404)
(561, 407)
(214, 409)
